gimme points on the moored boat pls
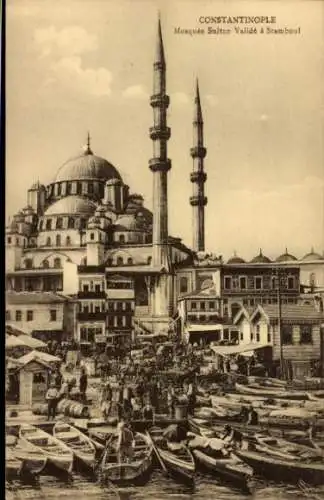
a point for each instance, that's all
(271, 392)
(135, 470)
(13, 464)
(286, 449)
(81, 445)
(58, 454)
(282, 469)
(33, 462)
(177, 459)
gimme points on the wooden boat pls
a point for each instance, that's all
(283, 470)
(136, 471)
(271, 392)
(81, 445)
(286, 449)
(177, 458)
(231, 470)
(201, 427)
(33, 462)
(58, 454)
(13, 464)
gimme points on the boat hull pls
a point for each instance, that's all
(178, 468)
(225, 469)
(127, 474)
(283, 470)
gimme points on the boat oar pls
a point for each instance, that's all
(158, 456)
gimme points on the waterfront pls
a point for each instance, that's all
(157, 488)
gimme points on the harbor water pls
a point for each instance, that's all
(158, 488)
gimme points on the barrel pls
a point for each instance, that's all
(180, 412)
(39, 408)
(62, 405)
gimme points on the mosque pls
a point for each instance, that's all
(87, 237)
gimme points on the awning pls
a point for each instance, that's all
(227, 350)
(12, 341)
(205, 328)
(31, 342)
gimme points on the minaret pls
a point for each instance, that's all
(160, 164)
(198, 177)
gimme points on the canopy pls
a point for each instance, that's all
(39, 356)
(204, 328)
(227, 350)
(31, 342)
(12, 341)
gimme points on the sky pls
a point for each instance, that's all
(74, 66)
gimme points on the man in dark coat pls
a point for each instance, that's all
(83, 383)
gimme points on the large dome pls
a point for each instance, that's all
(286, 257)
(260, 259)
(72, 205)
(86, 166)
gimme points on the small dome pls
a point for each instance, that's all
(72, 205)
(260, 259)
(87, 166)
(286, 257)
(236, 260)
(127, 222)
(312, 256)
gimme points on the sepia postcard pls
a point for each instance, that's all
(164, 247)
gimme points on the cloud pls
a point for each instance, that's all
(69, 41)
(135, 92)
(179, 98)
(23, 9)
(69, 72)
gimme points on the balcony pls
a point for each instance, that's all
(92, 294)
(91, 316)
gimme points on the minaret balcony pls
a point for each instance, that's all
(159, 65)
(198, 201)
(160, 101)
(162, 133)
(199, 177)
(159, 165)
(198, 152)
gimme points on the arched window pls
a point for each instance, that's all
(120, 261)
(82, 223)
(149, 260)
(68, 241)
(129, 261)
(121, 238)
(71, 223)
(109, 261)
(28, 263)
(59, 223)
(79, 188)
(57, 263)
(312, 280)
(68, 188)
(183, 284)
(45, 264)
(58, 240)
(48, 241)
(41, 224)
(90, 187)
(49, 224)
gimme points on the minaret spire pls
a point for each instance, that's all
(87, 149)
(160, 164)
(198, 177)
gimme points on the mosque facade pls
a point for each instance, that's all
(88, 237)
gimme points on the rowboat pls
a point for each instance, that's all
(201, 427)
(134, 471)
(33, 462)
(83, 449)
(283, 470)
(231, 470)
(286, 449)
(58, 454)
(270, 392)
(14, 465)
(177, 458)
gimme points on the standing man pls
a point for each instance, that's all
(124, 443)
(52, 399)
(83, 383)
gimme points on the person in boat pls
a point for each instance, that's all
(253, 418)
(106, 400)
(51, 397)
(125, 442)
(232, 436)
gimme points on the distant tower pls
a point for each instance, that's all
(198, 177)
(160, 164)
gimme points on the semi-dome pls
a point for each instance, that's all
(127, 222)
(286, 257)
(260, 259)
(72, 205)
(312, 256)
(87, 166)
